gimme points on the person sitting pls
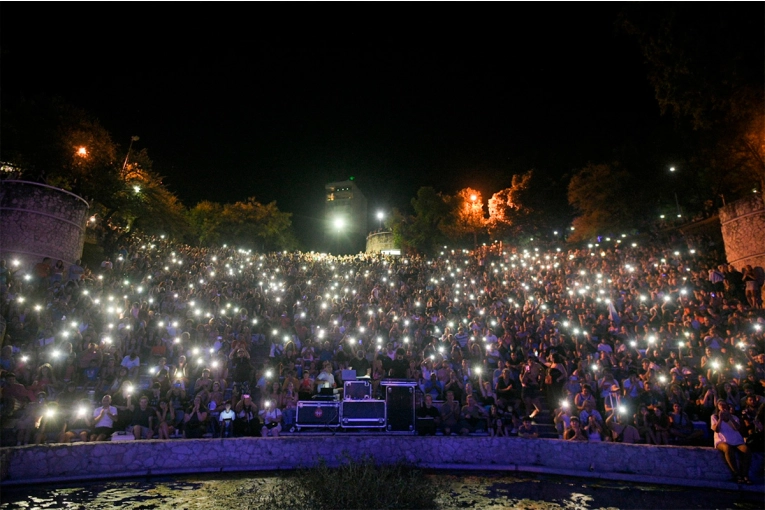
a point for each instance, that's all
(584, 396)
(52, 426)
(165, 418)
(659, 425)
(527, 429)
(729, 441)
(141, 418)
(226, 419)
(575, 433)
(643, 425)
(272, 420)
(681, 429)
(195, 420)
(248, 422)
(78, 423)
(450, 414)
(427, 418)
(620, 430)
(325, 379)
(473, 417)
(103, 420)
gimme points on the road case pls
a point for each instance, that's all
(357, 390)
(399, 400)
(362, 414)
(317, 415)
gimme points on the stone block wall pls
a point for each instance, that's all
(743, 229)
(380, 241)
(38, 221)
(656, 464)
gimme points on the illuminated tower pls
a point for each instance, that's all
(346, 216)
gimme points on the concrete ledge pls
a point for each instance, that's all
(672, 465)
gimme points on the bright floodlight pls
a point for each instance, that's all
(380, 215)
(339, 223)
(671, 169)
(137, 189)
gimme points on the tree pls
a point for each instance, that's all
(247, 223)
(508, 207)
(205, 219)
(65, 147)
(422, 232)
(705, 64)
(605, 197)
(468, 215)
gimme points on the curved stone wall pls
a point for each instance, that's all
(743, 230)
(701, 467)
(379, 241)
(41, 221)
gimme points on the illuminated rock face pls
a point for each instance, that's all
(380, 242)
(38, 221)
(743, 229)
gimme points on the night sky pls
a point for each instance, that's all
(275, 100)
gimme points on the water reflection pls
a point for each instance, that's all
(490, 491)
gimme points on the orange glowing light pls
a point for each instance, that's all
(82, 151)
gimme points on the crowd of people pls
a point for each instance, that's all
(614, 341)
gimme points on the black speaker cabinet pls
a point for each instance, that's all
(357, 390)
(362, 414)
(399, 400)
(317, 414)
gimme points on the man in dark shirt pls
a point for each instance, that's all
(142, 419)
(427, 418)
(360, 364)
(399, 365)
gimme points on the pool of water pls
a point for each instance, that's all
(491, 491)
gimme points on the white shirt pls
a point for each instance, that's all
(106, 420)
(328, 380)
(227, 415)
(727, 433)
(130, 363)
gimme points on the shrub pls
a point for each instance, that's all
(352, 485)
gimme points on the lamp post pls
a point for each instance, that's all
(380, 216)
(677, 202)
(132, 139)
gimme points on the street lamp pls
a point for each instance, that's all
(677, 202)
(339, 224)
(132, 139)
(82, 152)
(380, 216)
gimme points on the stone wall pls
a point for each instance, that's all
(41, 221)
(379, 241)
(654, 464)
(743, 229)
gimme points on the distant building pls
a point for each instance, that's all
(346, 216)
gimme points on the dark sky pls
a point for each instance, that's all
(274, 100)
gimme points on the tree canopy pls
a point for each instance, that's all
(605, 197)
(51, 141)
